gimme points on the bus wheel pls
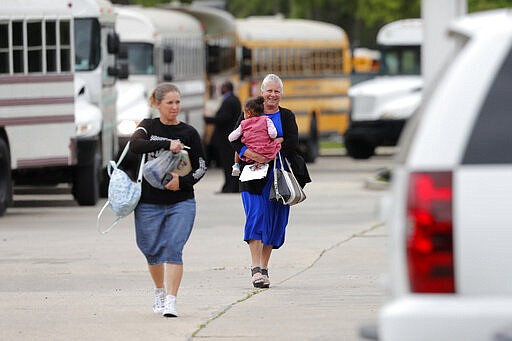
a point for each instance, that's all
(86, 185)
(359, 149)
(5, 177)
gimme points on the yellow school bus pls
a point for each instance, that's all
(313, 60)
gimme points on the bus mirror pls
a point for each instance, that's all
(112, 71)
(168, 55)
(245, 71)
(113, 43)
(246, 65)
(168, 77)
(122, 71)
(213, 59)
(123, 52)
(246, 53)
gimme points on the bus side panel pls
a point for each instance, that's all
(38, 115)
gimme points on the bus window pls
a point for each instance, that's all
(87, 46)
(140, 58)
(4, 48)
(401, 60)
(65, 46)
(17, 47)
(34, 47)
(51, 46)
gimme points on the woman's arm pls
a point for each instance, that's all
(197, 161)
(140, 142)
(290, 132)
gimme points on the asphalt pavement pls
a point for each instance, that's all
(61, 280)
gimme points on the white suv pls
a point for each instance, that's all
(450, 222)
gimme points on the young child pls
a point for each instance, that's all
(257, 131)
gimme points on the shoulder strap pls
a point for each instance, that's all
(100, 230)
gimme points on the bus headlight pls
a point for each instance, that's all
(126, 127)
(87, 129)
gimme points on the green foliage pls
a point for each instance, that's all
(361, 19)
(482, 5)
(378, 12)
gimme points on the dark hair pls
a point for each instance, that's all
(255, 105)
(160, 91)
(228, 86)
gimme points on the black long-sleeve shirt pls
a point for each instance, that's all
(157, 139)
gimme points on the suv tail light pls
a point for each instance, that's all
(429, 233)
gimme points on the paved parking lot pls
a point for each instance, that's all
(61, 280)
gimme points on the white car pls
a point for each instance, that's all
(450, 221)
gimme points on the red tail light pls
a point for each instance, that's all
(430, 236)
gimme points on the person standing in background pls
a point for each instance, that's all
(224, 122)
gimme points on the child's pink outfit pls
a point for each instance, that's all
(258, 134)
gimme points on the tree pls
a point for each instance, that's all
(361, 19)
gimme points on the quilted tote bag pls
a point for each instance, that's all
(286, 189)
(123, 192)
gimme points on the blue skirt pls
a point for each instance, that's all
(265, 220)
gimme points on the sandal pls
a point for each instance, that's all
(266, 279)
(257, 278)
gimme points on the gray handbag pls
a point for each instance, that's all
(286, 189)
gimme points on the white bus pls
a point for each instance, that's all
(161, 45)
(37, 126)
(41, 133)
(381, 106)
(96, 48)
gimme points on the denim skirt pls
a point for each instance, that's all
(162, 230)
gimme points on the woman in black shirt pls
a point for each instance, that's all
(164, 218)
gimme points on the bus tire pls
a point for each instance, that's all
(359, 149)
(86, 186)
(5, 177)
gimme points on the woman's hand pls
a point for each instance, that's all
(256, 157)
(174, 184)
(280, 140)
(176, 146)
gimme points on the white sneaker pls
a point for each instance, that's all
(159, 305)
(235, 170)
(170, 307)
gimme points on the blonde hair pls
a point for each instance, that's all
(160, 91)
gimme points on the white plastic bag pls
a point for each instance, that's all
(155, 170)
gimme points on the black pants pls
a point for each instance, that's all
(226, 159)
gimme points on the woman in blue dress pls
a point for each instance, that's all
(265, 220)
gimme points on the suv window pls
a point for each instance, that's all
(490, 141)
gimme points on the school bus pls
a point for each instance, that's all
(160, 46)
(313, 60)
(54, 126)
